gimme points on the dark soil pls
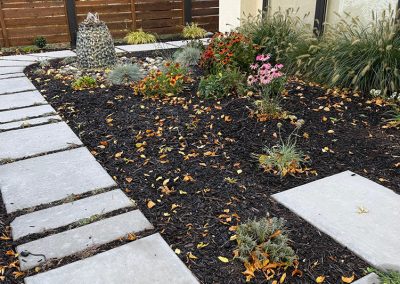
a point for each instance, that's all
(211, 140)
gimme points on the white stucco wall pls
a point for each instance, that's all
(229, 14)
(357, 8)
(305, 8)
(231, 11)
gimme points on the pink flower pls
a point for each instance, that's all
(254, 66)
(262, 57)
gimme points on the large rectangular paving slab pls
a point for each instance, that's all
(146, 261)
(23, 99)
(371, 278)
(25, 113)
(50, 178)
(52, 55)
(68, 213)
(358, 213)
(29, 122)
(79, 239)
(6, 76)
(10, 69)
(13, 85)
(36, 140)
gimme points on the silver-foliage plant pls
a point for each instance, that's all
(125, 74)
(95, 45)
(188, 56)
(267, 238)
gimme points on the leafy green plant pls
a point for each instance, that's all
(352, 54)
(263, 243)
(139, 37)
(188, 56)
(193, 31)
(170, 80)
(125, 74)
(283, 158)
(283, 34)
(40, 42)
(84, 82)
(388, 277)
(222, 84)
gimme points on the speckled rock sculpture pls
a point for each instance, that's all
(95, 46)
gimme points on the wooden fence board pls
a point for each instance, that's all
(21, 21)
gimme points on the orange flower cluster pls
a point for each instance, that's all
(159, 83)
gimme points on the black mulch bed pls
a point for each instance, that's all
(210, 141)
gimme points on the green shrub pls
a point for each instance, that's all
(40, 42)
(125, 74)
(139, 37)
(84, 82)
(281, 34)
(358, 56)
(193, 31)
(266, 239)
(222, 84)
(283, 158)
(188, 56)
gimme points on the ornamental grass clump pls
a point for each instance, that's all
(139, 37)
(263, 245)
(193, 31)
(283, 34)
(167, 81)
(125, 74)
(284, 158)
(268, 81)
(355, 55)
(188, 56)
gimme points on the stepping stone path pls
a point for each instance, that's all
(38, 140)
(22, 99)
(148, 260)
(44, 170)
(358, 213)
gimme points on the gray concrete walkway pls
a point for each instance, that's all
(44, 167)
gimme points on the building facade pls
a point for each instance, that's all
(231, 11)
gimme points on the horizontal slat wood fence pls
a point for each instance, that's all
(21, 21)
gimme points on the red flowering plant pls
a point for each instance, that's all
(228, 50)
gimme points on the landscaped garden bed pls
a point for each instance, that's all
(189, 162)
(201, 144)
